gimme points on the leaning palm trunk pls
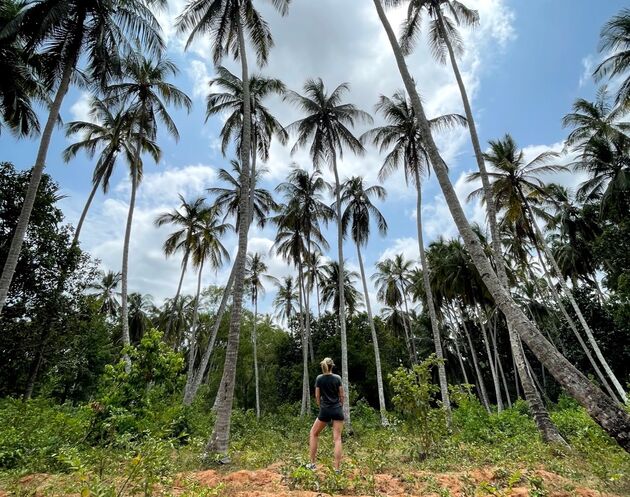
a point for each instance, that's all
(86, 208)
(377, 353)
(306, 397)
(124, 307)
(473, 353)
(219, 439)
(33, 185)
(255, 343)
(412, 358)
(342, 299)
(611, 417)
(174, 306)
(459, 355)
(497, 361)
(491, 362)
(538, 409)
(437, 340)
(407, 318)
(192, 351)
(576, 308)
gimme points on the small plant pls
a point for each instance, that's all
(537, 487)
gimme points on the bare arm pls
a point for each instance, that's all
(341, 395)
(317, 395)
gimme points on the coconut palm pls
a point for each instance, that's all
(228, 22)
(140, 307)
(358, 212)
(327, 128)
(330, 289)
(147, 93)
(255, 275)
(106, 290)
(21, 81)
(314, 275)
(615, 44)
(186, 218)
(605, 411)
(112, 134)
(402, 139)
(285, 301)
(205, 248)
(93, 31)
(515, 184)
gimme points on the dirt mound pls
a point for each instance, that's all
(486, 481)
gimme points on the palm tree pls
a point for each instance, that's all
(402, 135)
(615, 44)
(106, 290)
(140, 307)
(147, 93)
(605, 411)
(228, 201)
(205, 247)
(327, 127)
(293, 245)
(186, 218)
(286, 298)
(356, 217)
(21, 78)
(111, 132)
(314, 276)
(91, 30)
(228, 22)
(514, 185)
(256, 269)
(330, 288)
(390, 293)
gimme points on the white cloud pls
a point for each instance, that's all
(80, 110)
(588, 65)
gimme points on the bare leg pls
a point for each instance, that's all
(317, 428)
(337, 429)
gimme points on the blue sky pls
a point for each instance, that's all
(524, 66)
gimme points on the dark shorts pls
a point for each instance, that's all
(327, 414)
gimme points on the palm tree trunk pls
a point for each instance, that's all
(493, 369)
(437, 340)
(498, 365)
(307, 300)
(473, 353)
(124, 313)
(407, 318)
(305, 407)
(192, 354)
(191, 391)
(576, 308)
(319, 299)
(459, 354)
(179, 289)
(377, 353)
(412, 358)
(609, 415)
(490, 204)
(573, 326)
(255, 342)
(36, 175)
(86, 208)
(219, 439)
(342, 298)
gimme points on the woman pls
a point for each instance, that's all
(329, 396)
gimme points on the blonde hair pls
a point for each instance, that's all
(327, 364)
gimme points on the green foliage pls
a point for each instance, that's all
(414, 395)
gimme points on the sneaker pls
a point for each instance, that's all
(311, 466)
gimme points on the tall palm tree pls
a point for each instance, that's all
(21, 81)
(228, 200)
(106, 290)
(314, 275)
(186, 219)
(402, 139)
(327, 127)
(390, 293)
(605, 411)
(255, 275)
(228, 22)
(356, 217)
(205, 248)
(615, 44)
(145, 89)
(140, 307)
(111, 133)
(292, 244)
(96, 32)
(330, 288)
(515, 184)
(306, 208)
(285, 301)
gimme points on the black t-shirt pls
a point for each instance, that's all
(328, 389)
